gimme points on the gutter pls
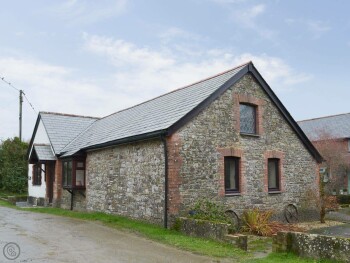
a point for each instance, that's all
(166, 188)
(145, 136)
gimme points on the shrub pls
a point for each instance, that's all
(208, 210)
(13, 166)
(257, 222)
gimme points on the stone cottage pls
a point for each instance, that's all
(227, 138)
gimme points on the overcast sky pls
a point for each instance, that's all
(96, 57)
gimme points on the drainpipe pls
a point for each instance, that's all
(163, 138)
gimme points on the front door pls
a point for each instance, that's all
(50, 170)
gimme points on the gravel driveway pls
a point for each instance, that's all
(48, 238)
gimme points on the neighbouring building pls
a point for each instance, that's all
(331, 136)
(227, 138)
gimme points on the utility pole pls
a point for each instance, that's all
(20, 113)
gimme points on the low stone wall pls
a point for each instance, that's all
(38, 201)
(211, 230)
(203, 228)
(313, 246)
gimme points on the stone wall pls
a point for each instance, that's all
(79, 200)
(212, 230)
(313, 246)
(197, 150)
(127, 180)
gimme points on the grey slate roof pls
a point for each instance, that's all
(63, 128)
(151, 116)
(336, 126)
(44, 152)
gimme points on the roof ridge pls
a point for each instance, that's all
(68, 115)
(183, 87)
(328, 116)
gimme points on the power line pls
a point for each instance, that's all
(25, 96)
(8, 83)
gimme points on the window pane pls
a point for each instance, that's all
(80, 164)
(79, 178)
(231, 174)
(273, 174)
(247, 118)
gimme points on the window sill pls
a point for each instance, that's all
(275, 192)
(250, 135)
(233, 194)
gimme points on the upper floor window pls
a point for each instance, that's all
(348, 145)
(273, 174)
(37, 174)
(231, 174)
(73, 173)
(247, 118)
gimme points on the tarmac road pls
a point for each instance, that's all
(48, 238)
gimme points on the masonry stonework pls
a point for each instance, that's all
(127, 180)
(201, 144)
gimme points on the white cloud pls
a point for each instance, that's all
(247, 17)
(165, 69)
(317, 28)
(86, 12)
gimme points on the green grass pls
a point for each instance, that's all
(6, 204)
(5, 194)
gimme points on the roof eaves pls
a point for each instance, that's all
(141, 137)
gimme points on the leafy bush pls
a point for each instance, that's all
(208, 210)
(13, 165)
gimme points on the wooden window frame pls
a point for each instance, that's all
(72, 184)
(274, 154)
(237, 161)
(37, 178)
(277, 162)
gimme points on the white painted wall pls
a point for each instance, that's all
(38, 190)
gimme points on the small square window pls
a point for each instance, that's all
(232, 174)
(273, 174)
(247, 118)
